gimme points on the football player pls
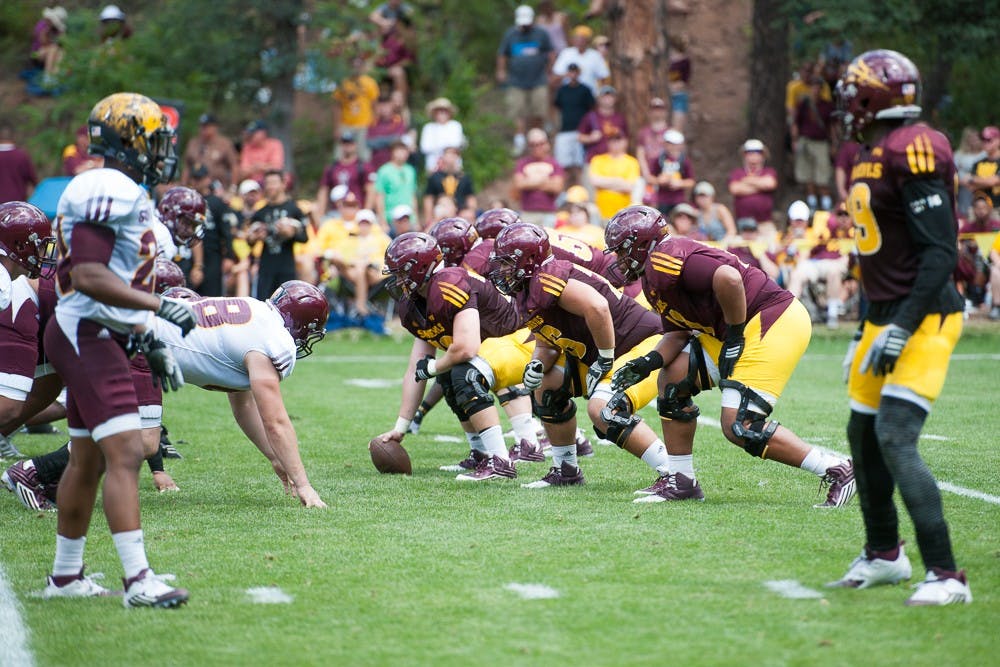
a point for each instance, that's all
(460, 313)
(749, 332)
(901, 198)
(105, 287)
(584, 328)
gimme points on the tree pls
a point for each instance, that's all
(769, 71)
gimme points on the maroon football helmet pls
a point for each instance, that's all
(168, 275)
(518, 252)
(409, 262)
(877, 85)
(491, 222)
(26, 238)
(185, 293)
(455, 237)
(182, 210)
(304, 310)
(631, 233)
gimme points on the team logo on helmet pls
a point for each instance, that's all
(26, 239)
(132, 129)
(878, 85)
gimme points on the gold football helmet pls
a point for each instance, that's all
(132, 129)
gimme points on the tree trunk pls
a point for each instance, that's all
(769, 70)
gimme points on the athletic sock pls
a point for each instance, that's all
(833, 309)
(69, 556)
(475, 442)
(131, 551)
(817, 461)
(682, 464)
(524, 428)
(564, 454)
(656, 457)
(493, 442)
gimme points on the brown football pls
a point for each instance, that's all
(390, 457)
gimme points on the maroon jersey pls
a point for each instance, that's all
(19, 331)
(562, 329)
(477, 259)
(678, 284)
(888, 257)
(451, 291)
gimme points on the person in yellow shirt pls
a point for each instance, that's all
(579, 226)
(363, 252)
(798, 88)
(614, 175)
(354, 106)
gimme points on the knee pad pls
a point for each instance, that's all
(449, 397)
(556, 406)
(472, 389)
(672, 407)
(620, 427)
(507, 395)
(755, 436)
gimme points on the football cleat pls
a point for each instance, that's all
(561, 475)
(147, 589)
(167, 449)
(941, 587)
(842, 485)
(492, 468)
(870, 569)
(21, 479)
(470, 462)
(525, 451)
(8, 450)
(80, 586)
(675, 486)
(583, 446)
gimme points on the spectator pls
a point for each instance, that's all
(650, 145)
(523, 61)
(614, 176)
(842, 165)
(395, 182)
(363, 251)
(798, 88)
(579, 226)
(46, 52)
(395, 21)
(970, 274)
(353, 110)
(599, 123)
(388, 13)
(798, 238)
(279, 225)
(402, 221)
(983, 219)
(553, 22)
(678, 77)
(714, 219)
(449, 180)
(260, 154)
(444, 207)
(602, 43)
(825, 264)
(684, 222)
(750, 249)
(334, 228)
(812, 133)
(752, 187)
(440, 132)
(217, 254)
(969, 152)
(114, 25)
(593, 66)
(76, 160)
(347, 170)
(573, 100)
(538, 181)
(672, 173)
(17, 172)
(387, 128)
(214, 151)
(986, 172)
(995, 278)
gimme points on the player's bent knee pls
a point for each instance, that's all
(556, 406)
(750, 428)
(677, 408)
(472, 389)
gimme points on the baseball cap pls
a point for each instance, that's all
(206, 118)
(524, 15)
(577, 194)
(112, 13)
(583, 31)
(753, 146)
(536, 135)
(990, 132)
(704, 188)
(981, 194)
(673, 137)
(347, 137)
(607, 90)
(658, 102)
(402, 211)
(255, 125)
(683, 209)
(248, 186)
(799, 210)
(338, 192)
(746, 224)
(365, 215)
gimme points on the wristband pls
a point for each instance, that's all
(607, 354)
(402, 425)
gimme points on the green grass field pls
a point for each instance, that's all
(413, 570)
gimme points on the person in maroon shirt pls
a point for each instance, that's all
(752, 187)
(584, 328)
(539, 180)
(812, 134)
(983, 219)
(387, 128)
(17, 172)
(460, 313)
(741, 331)
(348, 170)
(600, 123)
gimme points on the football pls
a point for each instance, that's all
(390, 457)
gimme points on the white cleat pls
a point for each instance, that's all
(941, 588)
(866, 572)
(150, 590)
(80, 587)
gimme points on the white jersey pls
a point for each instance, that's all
(164, 240)
(5, 288)
(108, 198)
(212, 355)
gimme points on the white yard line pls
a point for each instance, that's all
(533, 591)
(793, 590)
(268, 595)
(14, 649)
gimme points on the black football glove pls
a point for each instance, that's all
(533, 373)
(597, 372)
(178, 312)
(884, 352)
(636, 371)
(164, 368)
(425, 369)
(732, 348)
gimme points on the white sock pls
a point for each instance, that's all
(817, 461)
(682, 464)
(69, 556)
(833, 308)
(131, 551)
(656, 457)
(524, 428)
(475, 442)
(564, 453)
(493, 442)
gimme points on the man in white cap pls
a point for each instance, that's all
(402, 220)
(523, 62)
(752, 186)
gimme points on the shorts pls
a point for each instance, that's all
(527, 102)
(812, 162)
(148, 396)
(679, 102)
(816, 270)
(920, 371)
(567, 150)
(640, 394)
(101, 401)
(506, 357)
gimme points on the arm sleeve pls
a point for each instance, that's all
(932, 226)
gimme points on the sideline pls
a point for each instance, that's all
(14, 650)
